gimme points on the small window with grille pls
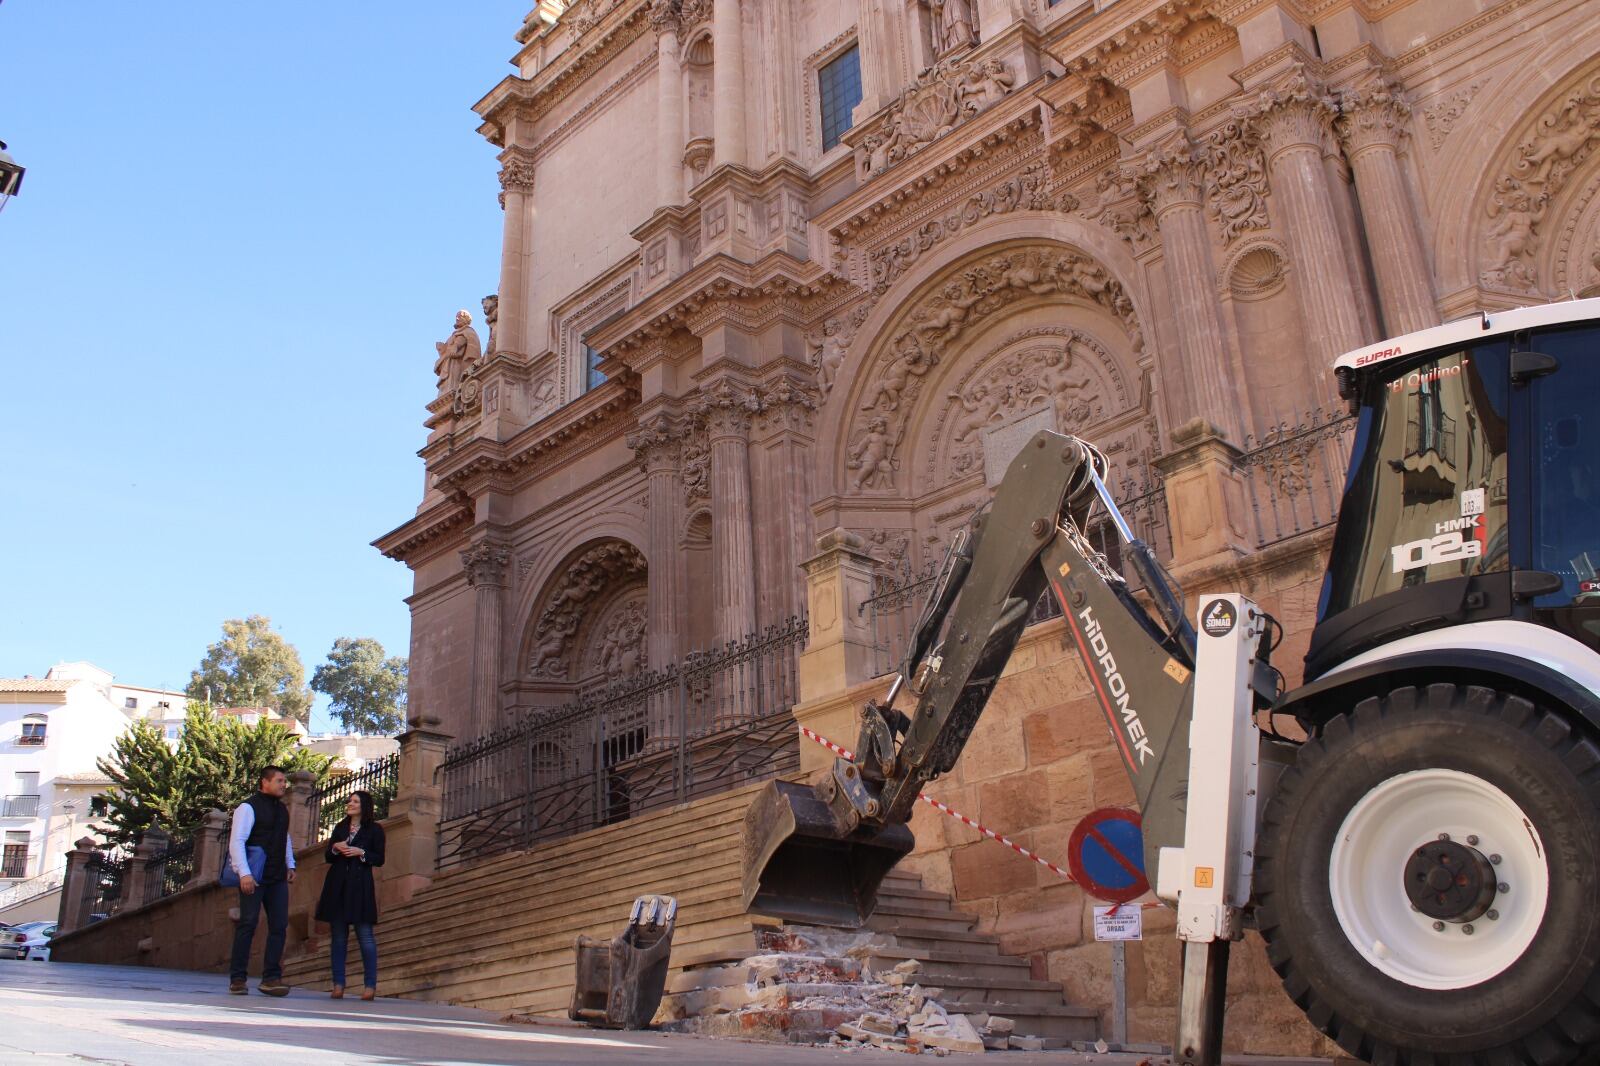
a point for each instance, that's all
(592, 377)
(14, 862)
(839, 90)
(33, 730)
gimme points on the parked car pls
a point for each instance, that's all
(24, 940)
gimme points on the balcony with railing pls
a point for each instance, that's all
(21, 806)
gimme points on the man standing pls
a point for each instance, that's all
(262, 821)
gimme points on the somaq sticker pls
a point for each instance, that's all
(1106, 855)
(1218, 618)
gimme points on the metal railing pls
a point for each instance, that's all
(22, 891)
(103, 886)
(15, 862)
(710, 723)
(1294, 473)
(891, 612)
(21, 807)
(381, 777)
(177, 865)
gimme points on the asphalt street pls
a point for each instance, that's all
(132, 1016)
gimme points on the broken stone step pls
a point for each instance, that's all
(915, 896)
(943, 918)
(1062, 1021)
(920, 939)
(939, 964)
(1016, 994)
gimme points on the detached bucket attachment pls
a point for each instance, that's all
(801, 866)
(620, 981)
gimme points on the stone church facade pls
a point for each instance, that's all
(785, 282)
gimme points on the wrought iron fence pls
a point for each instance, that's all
(177, 865)
(381, 777)
(891, 612)
(103, 893)
(712, 722)
(1294, 473)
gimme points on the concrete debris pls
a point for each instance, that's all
(908, 967)
(998, 1025)
(1027, 1043)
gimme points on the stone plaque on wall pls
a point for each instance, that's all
(1002, 443)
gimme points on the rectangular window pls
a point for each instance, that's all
(839, 89)
(592, 378)
(28, 784)
(15, 860)
(33, 731)
(131, 703)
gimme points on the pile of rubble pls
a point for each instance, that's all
(811, 987)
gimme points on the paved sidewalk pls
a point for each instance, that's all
(132, 1016)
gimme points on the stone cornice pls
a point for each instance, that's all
(441, 520)
(595, 415)
(1127, 41)
(531, 98)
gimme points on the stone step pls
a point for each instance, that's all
(939, 964)
(919, 897)
(1042, 1019)
(977, 991)
(919, 939)
(927, 917)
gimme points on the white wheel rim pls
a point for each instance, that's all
(1366, 878)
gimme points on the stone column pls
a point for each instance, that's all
(516, 197)
(301, 800)
(485, 565)
(412, 827)
(75, 902)
(1294, 126)
(727, 82)
(780, 472)
(727, 409)
(210, 843)
(883, 64)
(657, 444)
(669, 107)
(141, 882)
(1206, 507)
(1172, 181)
(1371, 123)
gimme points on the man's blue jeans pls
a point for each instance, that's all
(339, 945)
(274, 898)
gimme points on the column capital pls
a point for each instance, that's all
(1373, 116)
(665, 16)
(516, 169)
(727, 409)
(485, 563)
(1172, 174)
(657, 443)
(1295, 113)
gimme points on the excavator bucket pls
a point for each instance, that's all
(802, 866)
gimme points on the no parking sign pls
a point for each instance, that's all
(1106, 855)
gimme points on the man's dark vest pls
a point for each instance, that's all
(271, 834)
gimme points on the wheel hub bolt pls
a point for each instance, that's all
(1502, 887)
(1438, 927)
(1494, 915)
(1467, 929)
(1444, 836)
(1495, 859)
(1473, 840)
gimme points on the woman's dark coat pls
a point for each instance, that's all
(347, 894)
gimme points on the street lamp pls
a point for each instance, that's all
(10, 176)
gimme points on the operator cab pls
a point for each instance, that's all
(1473, 491)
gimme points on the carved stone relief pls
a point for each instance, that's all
(954, 26)
(1559, 140)
(943, 96)
(830, 343)
(570, 600)
(617, 644)
(1025, 191)
(1237, 170)
(1441, 117)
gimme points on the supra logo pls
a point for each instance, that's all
(1444, 548)
(1378, 356)
(1115, 685)
(1218, 618)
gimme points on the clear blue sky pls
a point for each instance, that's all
(242, 229)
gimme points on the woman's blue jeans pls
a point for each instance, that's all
(338, 946)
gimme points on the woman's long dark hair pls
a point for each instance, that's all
(366, 808)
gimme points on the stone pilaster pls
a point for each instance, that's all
(1172, 180)
(1371, 124)
(839, 652)
(75, 902)
(658, 445)
(1206, 508)
(727, 409)
(516, 196)
(1294, 123)
(412, 827)
(302, 808)
(669, 107)
(210, 842)
(727, 82)
(141, 882)
(781, 483)
(485, 565)
(880, 35)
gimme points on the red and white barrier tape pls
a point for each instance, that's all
(845, 753)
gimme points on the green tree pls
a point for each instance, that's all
(367, 691)
(214, 764)
(252, 666)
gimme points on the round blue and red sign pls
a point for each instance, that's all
(1106, 855)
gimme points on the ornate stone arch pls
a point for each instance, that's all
(596, 585)
(1534, 146)
(942, 320)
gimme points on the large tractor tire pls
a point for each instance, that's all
(1428, 881)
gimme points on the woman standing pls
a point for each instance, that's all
(348, 897)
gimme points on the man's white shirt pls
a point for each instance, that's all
(244, 820)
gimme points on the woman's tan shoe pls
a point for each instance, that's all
(337, 993)
(369, 993)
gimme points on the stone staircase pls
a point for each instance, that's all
(499, 935)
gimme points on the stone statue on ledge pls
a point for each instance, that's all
(458, 353)
(491, 315)
(952, 26)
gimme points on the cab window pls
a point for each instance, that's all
(1566, 465)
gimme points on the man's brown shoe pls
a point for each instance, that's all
(273, 988)
(237, 988)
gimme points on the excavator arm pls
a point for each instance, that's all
(818, 855)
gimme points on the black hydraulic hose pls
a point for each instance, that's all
(953, 574)
(1163, 592)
